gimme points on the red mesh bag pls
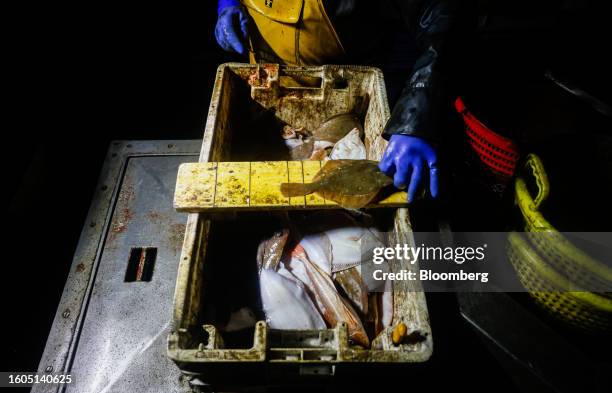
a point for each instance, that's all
(498, 153)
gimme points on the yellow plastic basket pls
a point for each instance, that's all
(551, 268)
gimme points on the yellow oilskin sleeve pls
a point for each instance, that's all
(293, 32)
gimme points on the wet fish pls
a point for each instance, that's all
(371, 318)
(380, 307)
(354, 287)
(316, 145)
(321, 150)
(318, 155)
(287, 304)
(386, 299)
(350, 147)
(318, 249)
(301, 150)
(335, 241)
(350, 183)
(270, 250)
(295, 133)
(297, 267)
(332, 306)
(339, 249)
(299, 141)
(336, 127)
(352, 246)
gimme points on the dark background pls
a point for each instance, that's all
(80, 77)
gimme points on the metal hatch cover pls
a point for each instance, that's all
(114, 316)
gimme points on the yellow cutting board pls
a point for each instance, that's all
(237, 186)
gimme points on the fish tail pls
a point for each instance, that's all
(296, 189)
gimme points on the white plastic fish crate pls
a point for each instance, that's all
(247, 103)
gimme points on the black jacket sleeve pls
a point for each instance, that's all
(417, 109)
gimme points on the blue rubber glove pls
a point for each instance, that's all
(231, 29)
(406, 159)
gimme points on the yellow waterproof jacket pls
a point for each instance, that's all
(294, 32)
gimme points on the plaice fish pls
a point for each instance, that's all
(297, 267)
(336, 127)
(321, 150)
(318, 155)
(295, 133)
(352, 246)
(332, 306)
(318, 249)
(270, 250)
(354, 287)
(386, 299)
(340, 248)
(287, 304)
(300, 149)
(299, 141)
(318, 144)
(336, 241)
(350, 183)
(350, 147)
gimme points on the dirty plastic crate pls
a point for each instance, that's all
(248, 105)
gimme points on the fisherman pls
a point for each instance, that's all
(315, 32)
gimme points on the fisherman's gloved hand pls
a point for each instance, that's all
(406, 160)
(231, 29)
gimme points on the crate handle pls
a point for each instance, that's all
(295, 82)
